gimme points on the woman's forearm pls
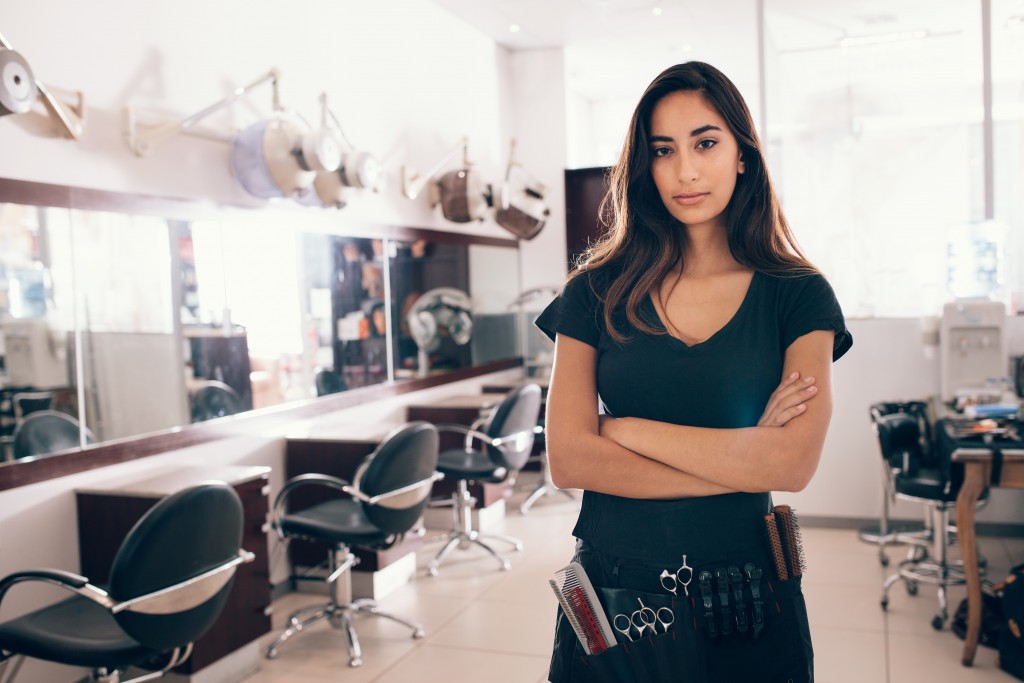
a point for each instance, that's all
(594, 463)
(750, 459)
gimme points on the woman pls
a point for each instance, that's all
(708, 339)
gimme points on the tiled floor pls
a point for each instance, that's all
(485, 624)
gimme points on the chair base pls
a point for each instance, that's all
(340, 617)
(463, 535)
(543, 489)
(177, 657)
(463, 539)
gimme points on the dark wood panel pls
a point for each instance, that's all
(585, 188)
(31, 471)
(105, 519)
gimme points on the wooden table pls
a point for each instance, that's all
(977, 476)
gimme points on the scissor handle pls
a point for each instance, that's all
(623, 631)
(669, 581)
(665, 621)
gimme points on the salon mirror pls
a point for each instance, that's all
(135, 322)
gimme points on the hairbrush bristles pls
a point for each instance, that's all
(775, 543)
(792, 542)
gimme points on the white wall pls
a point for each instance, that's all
(406, 79)
(887, 362)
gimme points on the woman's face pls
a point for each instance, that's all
(694, 159)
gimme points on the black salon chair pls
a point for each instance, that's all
(885, 534)
(384, 501)
(46, 431)
(168, 583)
(495, 449)
(214, 399)
(328, 382)
(27, 402)
(917, 477)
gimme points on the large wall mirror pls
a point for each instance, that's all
(131, 323)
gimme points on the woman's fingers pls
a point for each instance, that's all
(787, 401)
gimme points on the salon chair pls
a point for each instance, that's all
(916, 477)
(328, 382)
(27, 402)
(167, 585)
(885, 533)
(213, 399)
(384, 501)
(495, 448)
(46, 431)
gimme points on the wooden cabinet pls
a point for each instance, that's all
(106, 515)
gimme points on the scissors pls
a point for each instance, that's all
(671, 581)
(643, 619)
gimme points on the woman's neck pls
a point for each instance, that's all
(707, 252)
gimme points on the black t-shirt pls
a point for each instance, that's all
(723, 382)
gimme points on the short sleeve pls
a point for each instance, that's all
(575, 312)
(810, 305)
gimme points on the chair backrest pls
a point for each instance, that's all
(27, 402)
(328, 382)
(916, 409)
(182, 537)
(517, 414)
(899, 437)
(46, 431)
(214, 399)
(406, 457)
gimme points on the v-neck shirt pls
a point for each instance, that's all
(722, 382)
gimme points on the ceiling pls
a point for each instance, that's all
(613, 48)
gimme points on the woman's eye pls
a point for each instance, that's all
(661, 151)
(707, 144)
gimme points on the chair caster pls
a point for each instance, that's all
(272, 653)
(354, 662)
(911, 587)
(885, 604)
(518, 547)
(506, 566)
(432, 571)
(883, 559)
(418, 633)
(939, 622)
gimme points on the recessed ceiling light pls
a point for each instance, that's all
(514, 28)
(656, 11)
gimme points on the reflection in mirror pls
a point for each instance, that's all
(245, 325)
(450, 305)
(345, 283)
(36, 318)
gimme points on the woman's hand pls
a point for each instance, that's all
(787, 401)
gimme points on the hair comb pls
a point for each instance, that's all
(579, 601)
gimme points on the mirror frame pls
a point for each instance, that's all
(106, 453)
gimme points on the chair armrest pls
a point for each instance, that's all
(73, 582)
(297, 482)
(470, 433)
(436, 476)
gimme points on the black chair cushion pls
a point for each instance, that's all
(463, 464)
(77, 632)
(926, 482)
(341, 521)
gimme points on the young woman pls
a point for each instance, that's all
(708, 339)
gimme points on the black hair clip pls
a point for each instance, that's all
(736, 579)
(722, 580)
(754, 578)
(704, 584)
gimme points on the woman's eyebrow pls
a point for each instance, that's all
(660, 138)
(703, 129)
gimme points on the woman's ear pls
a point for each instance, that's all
(740, 167)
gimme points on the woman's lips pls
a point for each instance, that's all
(690, 198)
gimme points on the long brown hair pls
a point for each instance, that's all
(643, 241)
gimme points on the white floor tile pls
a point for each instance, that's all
(481, 620)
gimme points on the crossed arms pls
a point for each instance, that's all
(639, 458)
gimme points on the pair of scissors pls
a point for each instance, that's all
(671, 581)
(643, 619)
